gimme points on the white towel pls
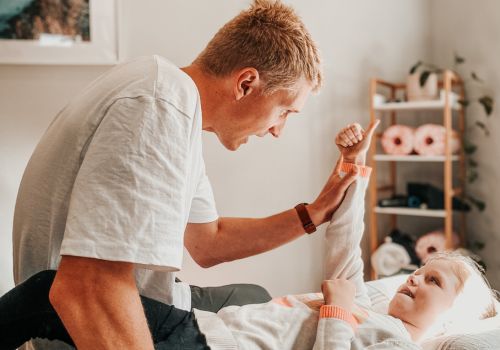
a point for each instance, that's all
(389, 258)
(398, 140)
(429, 140)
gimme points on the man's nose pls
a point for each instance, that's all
(276, 129)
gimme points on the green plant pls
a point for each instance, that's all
(487, 102)
(426, 69)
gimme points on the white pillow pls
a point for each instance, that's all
(381, 291)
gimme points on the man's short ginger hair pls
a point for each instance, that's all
(270, 37)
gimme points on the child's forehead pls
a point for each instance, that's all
(441, 265)
(447, 269)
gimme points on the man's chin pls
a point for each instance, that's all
(233, 146)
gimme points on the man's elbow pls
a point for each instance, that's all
(59, 295)
(204, 260)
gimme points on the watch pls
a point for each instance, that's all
(307, 223)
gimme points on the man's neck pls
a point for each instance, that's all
(208, 91)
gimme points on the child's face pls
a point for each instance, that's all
(427, 293)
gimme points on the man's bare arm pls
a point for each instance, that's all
(235, 238)
(229, 239)
(98, 303)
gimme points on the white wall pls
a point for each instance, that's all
(358, 39)
(472, 29)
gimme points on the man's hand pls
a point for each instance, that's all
(332, 194)
(353, 142)
(339, 292)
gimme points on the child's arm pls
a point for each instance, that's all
(344, 233)
(343, 263)
(343, 236)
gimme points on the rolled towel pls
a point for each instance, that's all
(429, 140)
(389, 258)
(433, 242)
(398, 140)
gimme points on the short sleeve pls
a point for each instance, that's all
(128, 202)
(203, 207)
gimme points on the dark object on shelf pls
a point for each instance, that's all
(408, 242)
(400, 200)
(433, 196)
(396, 100)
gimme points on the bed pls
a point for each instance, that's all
(483, 335)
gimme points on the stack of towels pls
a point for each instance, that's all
(426, 140)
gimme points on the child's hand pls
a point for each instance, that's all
(340, 292)
(353, 142)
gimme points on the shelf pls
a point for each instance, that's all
(411, 211)
(415, 106)
(412, 158)
(446, 110)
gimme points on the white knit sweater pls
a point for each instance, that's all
(293, 322)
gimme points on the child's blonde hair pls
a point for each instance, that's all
(269, 37)
(475, 299)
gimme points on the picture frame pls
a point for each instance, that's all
(95, 44)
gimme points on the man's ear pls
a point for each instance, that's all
(247, 81)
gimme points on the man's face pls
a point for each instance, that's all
(258, 114)
(427, 293)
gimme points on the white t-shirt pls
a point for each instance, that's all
(117, 176)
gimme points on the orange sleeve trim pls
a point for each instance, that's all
(364, 170)
(334, 311)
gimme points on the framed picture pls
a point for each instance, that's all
(58, 32)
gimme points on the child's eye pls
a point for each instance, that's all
(434, 280)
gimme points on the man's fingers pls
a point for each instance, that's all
(338, 166)
(348, 179)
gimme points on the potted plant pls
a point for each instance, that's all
(422, 72)
(422, 82)
(476, 92)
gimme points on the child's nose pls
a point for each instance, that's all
(412, 280)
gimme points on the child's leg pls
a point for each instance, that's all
(26, 313)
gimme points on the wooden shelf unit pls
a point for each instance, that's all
(389, 110)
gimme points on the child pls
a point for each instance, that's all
(431, 296)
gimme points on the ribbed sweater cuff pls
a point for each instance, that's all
(364, 170)
(334, 311)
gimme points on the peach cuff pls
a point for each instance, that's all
(334, 311)
(364, 171)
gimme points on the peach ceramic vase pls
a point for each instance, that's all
(415, 92)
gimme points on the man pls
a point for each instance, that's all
(117, 184)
